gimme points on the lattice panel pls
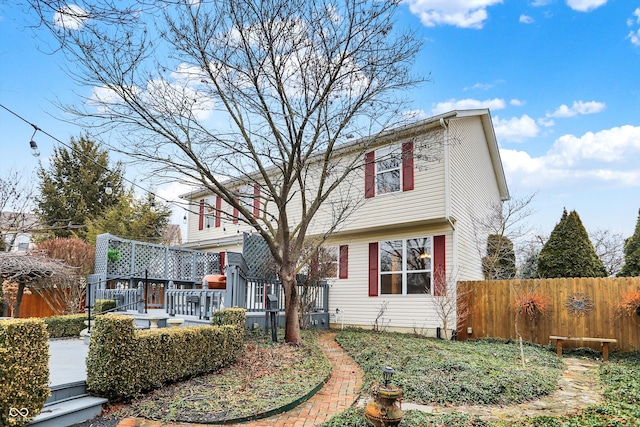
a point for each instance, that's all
(149, 258)
(176, 269)
(121, 267)
(258, 257)
(102, 246)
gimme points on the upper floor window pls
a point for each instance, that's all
(210, 212)
(389, 169)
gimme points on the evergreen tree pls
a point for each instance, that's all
(631, 267)
(72, 190)
(569, 252)
(133, 219)
(500, 261)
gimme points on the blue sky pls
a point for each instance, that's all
(561, 77)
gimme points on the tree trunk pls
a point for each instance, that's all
(292, 322)
(16, 308)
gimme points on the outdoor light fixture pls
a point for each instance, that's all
(387, 374)
(108, 189)
(423, 256)
(184, 218)
(34, 147)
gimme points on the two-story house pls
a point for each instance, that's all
(412, 235)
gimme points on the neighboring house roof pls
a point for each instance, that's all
(17, 221)
(402, 131)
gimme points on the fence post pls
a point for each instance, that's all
(325, 296)
(140, 297)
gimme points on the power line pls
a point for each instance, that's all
(133, 184)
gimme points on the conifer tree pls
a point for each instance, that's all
(569, 252)
(72, 189)
(631, 267)
(500, 261)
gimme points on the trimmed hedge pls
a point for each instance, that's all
(124, 362)
(102, 305)
(65, 326)
(230, 316)
(24, 370)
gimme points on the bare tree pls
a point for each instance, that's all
(65, 295)
(451, 303)
(16, 194)
(242, 93)
(28, 268)
(610, 248)
(507, 224)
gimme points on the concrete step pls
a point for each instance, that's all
(68, 412)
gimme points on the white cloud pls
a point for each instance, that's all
(545, 122)
(70, 17)
(526, 19)
(634, 37)
(515, 129)
(594, 158)
(459, 13)
(516, 102)
(578, 107)
(585, 5)
(480, 86)
(468, 104)
(537, 3)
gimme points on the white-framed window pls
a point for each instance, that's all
(405, 266)
(328, 262)
(388, 170)
(210, 212)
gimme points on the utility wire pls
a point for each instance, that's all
(133, 184)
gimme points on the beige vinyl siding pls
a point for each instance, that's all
(426, 202)
(351, 295)
(473, 190)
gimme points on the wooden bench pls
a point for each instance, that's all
(604, 341)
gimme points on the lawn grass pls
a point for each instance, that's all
(268, 376)
(442, 372)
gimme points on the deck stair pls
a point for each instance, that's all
(68, 404)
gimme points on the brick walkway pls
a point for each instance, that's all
(338, 394)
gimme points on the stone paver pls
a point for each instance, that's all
(338, 394)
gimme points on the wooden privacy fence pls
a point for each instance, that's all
(578, 307)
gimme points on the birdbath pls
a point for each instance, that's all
(384, 410)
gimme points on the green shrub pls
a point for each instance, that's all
(229, 316)
(24, 369)
(123, 362)
(102, 305)
(65, 326)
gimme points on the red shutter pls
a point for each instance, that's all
(439, 266)
(370, 174)
(222, 261)
(218, 210)
(201, 215)
(407, 166)
(235, 215)
(343, 267)
(373, 269)
(256, 200)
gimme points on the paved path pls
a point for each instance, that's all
(337, 395)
